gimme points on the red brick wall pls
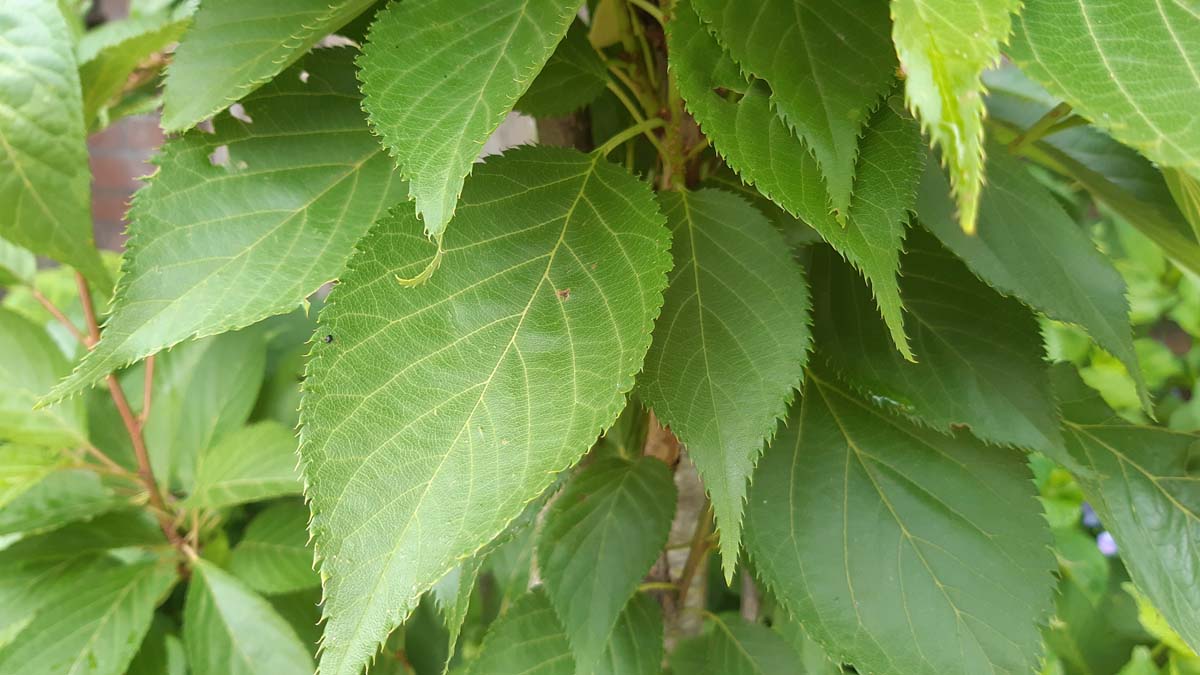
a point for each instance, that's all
(119, 156)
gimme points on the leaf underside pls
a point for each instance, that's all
(437, 412)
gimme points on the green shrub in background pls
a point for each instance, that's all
(851, 336)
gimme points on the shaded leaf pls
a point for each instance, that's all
(599, 539)
(1062, 275)
(980, 359)
(215, 248)
(1130, 69)
(730, 346)
(32, 364)
(230, 630)
(476, 386)
(434, 112)
(636, 644)
(573, 77)
(234, 47)
(761, 149)
(944, 47)
(62, 497)
(45, 198)
(735, 646)
(935, 538)
(105, 67)
(527, 640)
(251, 464)
(273, 556)
(161, 652)
(827, 64)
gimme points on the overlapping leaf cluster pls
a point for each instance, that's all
(821, 253)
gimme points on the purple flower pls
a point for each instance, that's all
(1106, 544)
(1089, 519)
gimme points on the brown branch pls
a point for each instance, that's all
(698, 552)
(147, 392)
(57, 314)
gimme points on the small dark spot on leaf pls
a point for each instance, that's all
(327, 339)
(564, 294)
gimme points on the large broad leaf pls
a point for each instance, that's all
(1129, 68)
(93, 624)
(944, 47)
(251, 464)
(599, 540)
(234, 47)
(528, 639)
(114, 51)
(730, 345)
(827, 62)
(62, 497)
(273, 556)
(1061, 274)
(22, 467)
(979, 353)
(439, 77)
(573, 77)
(230, 630)
(636, 644)
(44, 193)
(734, 646)
(214, 248)
(31, 365)
(1143, 485)
(760, 147)
(203, 391)
(477, 386)
(901, 550)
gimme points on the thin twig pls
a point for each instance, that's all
(147, 392)
(57, 314)
(698, 552)
(649, 9)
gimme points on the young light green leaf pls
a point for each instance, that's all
(22, 467)
(96, 622)
(599, 540)
(62, 497)
(730, 345)
(203, 391)
(251, 464)
(17, 264)
(636, 644)
(1143, 487)
(214, 248)
(757, 145)
(944, 47)
(827, 63)
(230, 630)
(573, 77)
(529, 639)
(495, 374)
(1063, 275)
(105, 66)
(980, 361)
(735, 646)
(45, 198)
(273, 556)
(435, 101)
(233, 47)
(31, 365)
(868, 527)
(1129, 68)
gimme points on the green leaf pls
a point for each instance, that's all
(1143, 487)
(1062, 276)
(511, 565)
(761, 149)
(92, 625)
(735, 646)
(31, 365)
(22, 467)
(214, 248)
(44, 179)
(1127, 68)
(161, 652)
(60, 498)
(17, 265)
(452, 595)
(476, 386)
(230, 630)
(251, 464)
(636, 644)
(899, 549)
(573, 77)
(1185, 188)
(273, 556)
(730, 345)
(980, 358)
(105, 67)
(944, 47)
(527, 640)
(233, 47)
(600, 538)
(795, 231)
(827, 64)
(435, 101)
